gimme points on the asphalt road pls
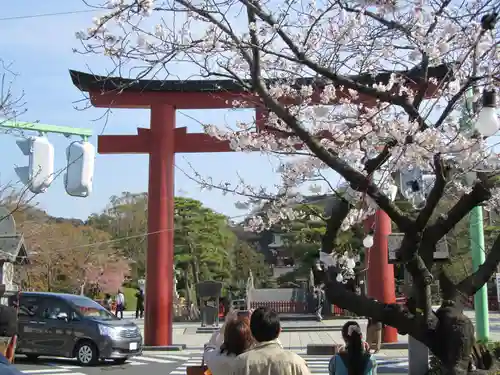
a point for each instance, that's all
(159, 363)
(174, 363)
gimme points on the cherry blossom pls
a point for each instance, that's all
(298, 58)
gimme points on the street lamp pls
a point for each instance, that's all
(487, 123)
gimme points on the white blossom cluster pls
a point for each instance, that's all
(345, 264)
(331, 41)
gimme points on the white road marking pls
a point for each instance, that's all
(134, 363)
(164, 355)
(156, 360)
(46, 371)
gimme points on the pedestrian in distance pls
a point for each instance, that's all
(354, 358)
(233, 339)
(268, 356)
(320, 302)
(139, 309)
(108, 301)
(8, 338)
(374, 335)
(120, 304)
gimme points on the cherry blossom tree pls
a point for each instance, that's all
(109, 275)
(363, 91)
(11, 103)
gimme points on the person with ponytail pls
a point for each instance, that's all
(354, 358)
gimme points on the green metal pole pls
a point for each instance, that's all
(476, 235)
(44, 128)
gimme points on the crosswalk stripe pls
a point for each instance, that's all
(170, 356)
(46, 371)
(154, 359)
(135, 363)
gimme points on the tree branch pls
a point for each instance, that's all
(340, 210)
(402, 101)
(390, 314)
(471, 284)
(372, 165)
(435, 195)
(480, 193)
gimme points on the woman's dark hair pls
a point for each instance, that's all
(237, 337)
(355, 353)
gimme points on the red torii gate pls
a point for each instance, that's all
(163, 140)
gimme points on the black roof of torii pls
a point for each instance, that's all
(89, 82)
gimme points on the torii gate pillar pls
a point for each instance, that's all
(159, 270)
(381, 283)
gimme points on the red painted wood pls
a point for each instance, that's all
(122, 144)
(139, 144)
(160, 254)
(199, 142)
(202, 100)
(381, 285)
(180, 100)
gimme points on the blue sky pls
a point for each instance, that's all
(40, 49)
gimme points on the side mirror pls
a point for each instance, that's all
(62, 316)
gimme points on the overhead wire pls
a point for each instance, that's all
(124, 238)
(54, 14)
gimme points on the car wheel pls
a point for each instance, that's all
(86, 353)
(120, 361)
(32, 357)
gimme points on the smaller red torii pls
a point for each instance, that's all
(163, 140)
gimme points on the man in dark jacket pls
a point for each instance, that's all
(8, 337)
(319, 295)
(139, 310)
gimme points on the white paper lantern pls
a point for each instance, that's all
(368, 241)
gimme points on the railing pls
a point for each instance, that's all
(492, 303)
(282, 307)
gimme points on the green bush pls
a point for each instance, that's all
(494, 347)
(130, 300)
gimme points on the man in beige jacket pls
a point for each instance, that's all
(268, 356)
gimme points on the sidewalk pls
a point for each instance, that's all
(185, 333)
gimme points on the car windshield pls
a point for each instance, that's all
(91, 309)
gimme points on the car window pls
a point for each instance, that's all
(89, 308)
(52, 309)
(29, 306)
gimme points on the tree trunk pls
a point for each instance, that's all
(196, 271)
(452, 340)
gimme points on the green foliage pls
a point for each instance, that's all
(130, 300)
(203, 242)
(125, 219)
(246, 259)
(205, 247)
(303, 240)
